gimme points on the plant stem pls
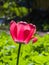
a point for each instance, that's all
(18, 53)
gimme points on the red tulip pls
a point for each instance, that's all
(22, 32)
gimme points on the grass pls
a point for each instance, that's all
(31, 54)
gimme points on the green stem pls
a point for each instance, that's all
(18, 53)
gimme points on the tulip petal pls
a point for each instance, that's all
(34, 39)
(21, 22)
(20, 30)
(20, 35)
(29, 37)
(13, 30)
(33, 27)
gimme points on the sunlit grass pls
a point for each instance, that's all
(31, 54)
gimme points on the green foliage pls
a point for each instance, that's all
(10, 9)
(31, 54)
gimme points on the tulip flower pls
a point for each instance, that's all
(22, 32)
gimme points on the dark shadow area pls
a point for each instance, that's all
(37, 16)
